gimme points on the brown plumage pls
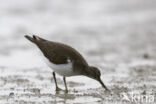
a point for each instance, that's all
(58, 53)
(61, 54)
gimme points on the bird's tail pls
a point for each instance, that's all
(34, 38)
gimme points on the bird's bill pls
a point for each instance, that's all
(103, 85)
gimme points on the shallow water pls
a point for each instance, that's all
(116, 36)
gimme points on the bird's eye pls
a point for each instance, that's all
(99, 73)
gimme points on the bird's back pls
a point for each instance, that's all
(59, 53)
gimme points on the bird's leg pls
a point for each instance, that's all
(64, 79)
(57, 88)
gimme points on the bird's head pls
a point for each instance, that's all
(95, 73)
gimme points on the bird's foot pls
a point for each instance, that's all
(58, 89)
(108, 91)
(66, 90)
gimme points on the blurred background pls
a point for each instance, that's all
(118, 36)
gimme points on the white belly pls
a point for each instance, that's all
(62, 69)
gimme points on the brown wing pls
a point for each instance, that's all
(53, 52)
(58, 53)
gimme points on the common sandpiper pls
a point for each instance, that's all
(65, 61)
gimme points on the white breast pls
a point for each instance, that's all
(62, 69)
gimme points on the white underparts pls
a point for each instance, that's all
(62, 69)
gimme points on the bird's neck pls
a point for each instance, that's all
(89, 72)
